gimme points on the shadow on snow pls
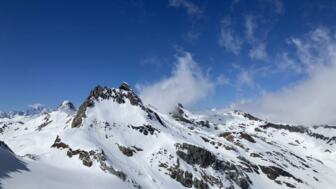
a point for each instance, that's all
(9, 163)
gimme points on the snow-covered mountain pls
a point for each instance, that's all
(114, 140)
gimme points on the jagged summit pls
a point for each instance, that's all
(122, 95)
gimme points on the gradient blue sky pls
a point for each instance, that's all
(56, 50)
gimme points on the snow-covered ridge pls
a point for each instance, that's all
(118, 141)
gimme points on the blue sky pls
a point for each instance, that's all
(56, 50)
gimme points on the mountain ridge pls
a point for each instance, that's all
(132, 145)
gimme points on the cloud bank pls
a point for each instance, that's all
(187, 84)
(311, 101)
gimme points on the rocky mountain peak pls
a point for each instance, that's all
(99, 93)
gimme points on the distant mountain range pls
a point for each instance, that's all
(33, 110)
(114, 140)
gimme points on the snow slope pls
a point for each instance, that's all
(113, 139)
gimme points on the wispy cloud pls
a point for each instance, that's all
(258, 51)
(187, 84)
(284, 63)
(222, 80)
(244, 79)
(315, 49)
(188, 5)
(278, 5)
(227, 37)
(257, 46)
(250, 27)
(154, 60)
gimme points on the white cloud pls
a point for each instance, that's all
(227, 38)
(222, 80)
(317, 48)
(258, 51)
(284, 62)
(311, 101)
(187, 84)
(250, 27)
(153, 60)
(191, 8)
(258, 48)
(278, 5)
(244, 78)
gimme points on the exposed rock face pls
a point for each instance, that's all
(88, 157)
(126, 150)
(46, 122)
(187, 179)
(230, 136)
(273, 172)
(180, 115)
(300, 129)
(77, 121)
(146, 129)
(247, 115)
(195, 155)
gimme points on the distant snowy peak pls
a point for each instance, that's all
(4, 115)
(11, 114)
(67, 107)
(36, 109)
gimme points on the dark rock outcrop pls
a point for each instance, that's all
(273, 172)
(88, 157)
(247, 115)
(298, 129)
(186, 178)
(146, 129)
(195, 155)
(126, 150)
